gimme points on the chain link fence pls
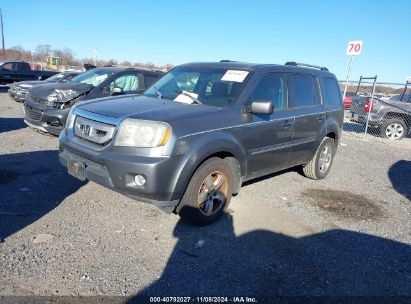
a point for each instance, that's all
(377, 111)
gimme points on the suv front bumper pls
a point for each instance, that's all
(116, 171)
(44, 118)
(17, 95)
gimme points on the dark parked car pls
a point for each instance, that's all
(48, 105)
(13, 71)
(18, 90)
(391, 118)
(190, 141)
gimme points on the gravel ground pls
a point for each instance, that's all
(284, 235)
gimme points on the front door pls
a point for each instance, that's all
(268, 137)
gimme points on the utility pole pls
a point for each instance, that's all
(2, 35)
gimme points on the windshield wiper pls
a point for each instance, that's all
(158, 93)
(196, 100)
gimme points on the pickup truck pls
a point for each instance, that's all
(392, 117)
(13, 71)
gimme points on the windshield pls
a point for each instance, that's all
(93, 77)
(55, 77)
(211, 86)
(406, 97)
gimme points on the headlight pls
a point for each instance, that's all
(61, 96)
(25, 86)
(70, 118)
(142, 133)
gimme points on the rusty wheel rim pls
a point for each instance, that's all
(212, 194)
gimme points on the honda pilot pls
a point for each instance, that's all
(190, 141)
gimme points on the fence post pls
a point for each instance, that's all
(348, 76)
(369, 112)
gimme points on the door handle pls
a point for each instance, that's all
(286, 124)
(321, 117)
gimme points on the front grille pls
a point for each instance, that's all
(33, 113)
(36, 100)
(92, 132)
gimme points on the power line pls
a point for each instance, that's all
(2, 35)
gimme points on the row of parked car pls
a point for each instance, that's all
(48, 102)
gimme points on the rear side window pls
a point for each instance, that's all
(331, 91)
(23, 66)
(272, 87)
(301, 91)
(127, 82)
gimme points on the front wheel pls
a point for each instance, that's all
(394, 128)
(320, 164)
(208, 193)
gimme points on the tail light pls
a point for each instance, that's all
(367, 106)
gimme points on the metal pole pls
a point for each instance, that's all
(369, 112)
(2, 35)
(348, 76)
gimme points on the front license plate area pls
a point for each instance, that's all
(77, 169)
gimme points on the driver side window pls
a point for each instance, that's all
(127, 82)
(271, 87)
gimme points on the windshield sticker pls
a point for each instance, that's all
(234, 75)
(101, 77)
(184, 98)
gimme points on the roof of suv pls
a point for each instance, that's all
(116, 69)
(236, 65)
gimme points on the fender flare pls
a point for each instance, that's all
(201, 148)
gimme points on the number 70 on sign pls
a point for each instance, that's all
(354, 48)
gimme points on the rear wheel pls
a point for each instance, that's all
(320, 164)
(208, 192)
(394, 128)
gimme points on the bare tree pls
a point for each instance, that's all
(18, 53)
(168, 67)
(41, 52)
(126, 63)
(66, 55)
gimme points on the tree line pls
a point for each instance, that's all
(68, 57)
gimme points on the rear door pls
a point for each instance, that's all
(332, 100)
(304, 101)
(24, 72)
(268, 137)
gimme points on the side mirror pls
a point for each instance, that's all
(261, 107)
(116, 91)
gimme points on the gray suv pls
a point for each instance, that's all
(203, 129)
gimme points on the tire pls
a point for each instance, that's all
(208, 193)
(320, 164)
(394, 129)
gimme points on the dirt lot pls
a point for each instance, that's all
(284, 235)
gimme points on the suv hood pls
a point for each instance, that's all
(144, 107)
(45, 90)
(30, 82)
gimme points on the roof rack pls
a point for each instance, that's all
(306, 65)
(227, 60)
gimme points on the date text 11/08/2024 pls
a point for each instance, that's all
(203, 299)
